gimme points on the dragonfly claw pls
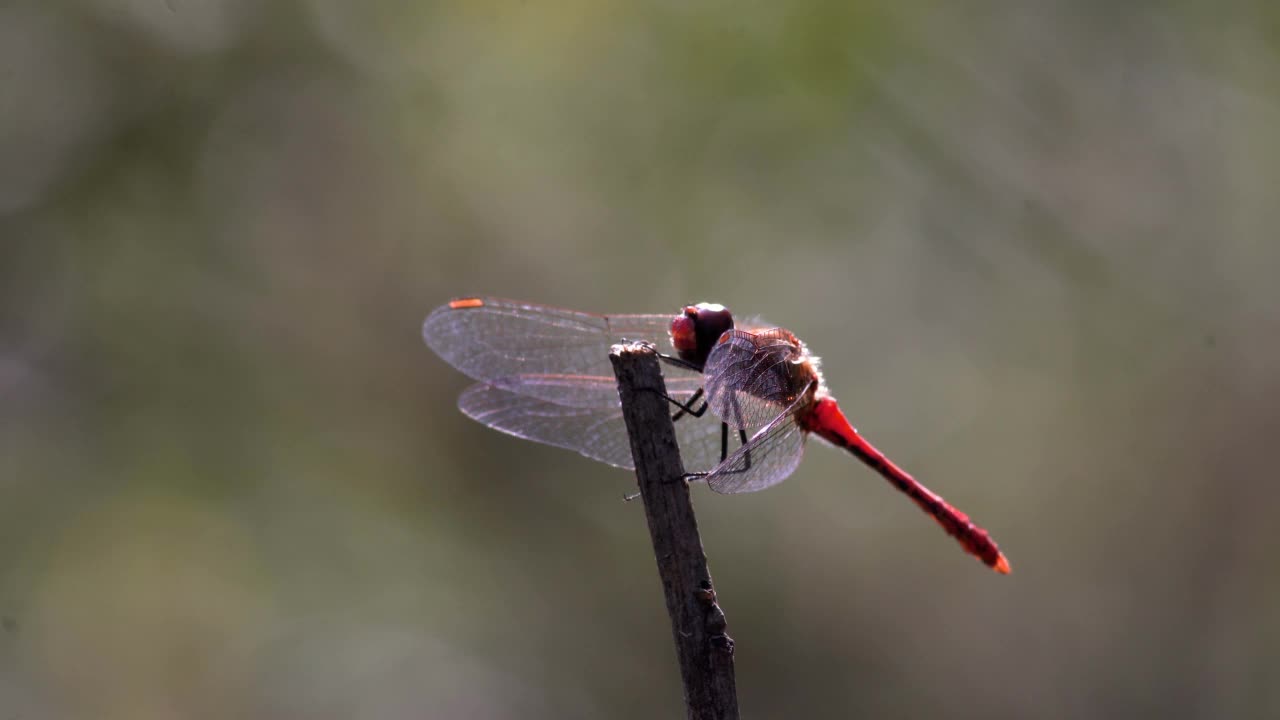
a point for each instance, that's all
(646, 344)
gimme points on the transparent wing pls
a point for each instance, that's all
(492, 339)
(593, 432)
(768, 458)
(750, 378)
(701, 442)
(596, 433)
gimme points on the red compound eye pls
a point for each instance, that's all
(683, 336)
(695, 331)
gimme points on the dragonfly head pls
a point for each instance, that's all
(697, 328)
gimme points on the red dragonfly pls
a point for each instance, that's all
(544, 375)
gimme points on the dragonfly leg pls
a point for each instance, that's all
(724, 454)
(673, 360)
(692, 413)
(724, 451)
(685, 408)
(742, 435)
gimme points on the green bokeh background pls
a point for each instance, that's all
(1035, 244)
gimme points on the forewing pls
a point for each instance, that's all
(493, 340)
(750, 377)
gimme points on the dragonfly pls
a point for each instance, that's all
(543, 374)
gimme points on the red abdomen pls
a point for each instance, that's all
(826, 420)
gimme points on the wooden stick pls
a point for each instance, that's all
(697, 623)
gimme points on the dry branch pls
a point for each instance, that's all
(697, 623)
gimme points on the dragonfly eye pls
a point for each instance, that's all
(697, 328)
(712, 321)
(683, 335)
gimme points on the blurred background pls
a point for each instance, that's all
(1033, 242)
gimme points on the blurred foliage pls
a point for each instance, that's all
(1035, 243)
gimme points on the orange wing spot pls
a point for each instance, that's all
(1002, 566)
(464, 303)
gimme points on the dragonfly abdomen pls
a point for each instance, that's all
(825, 418)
